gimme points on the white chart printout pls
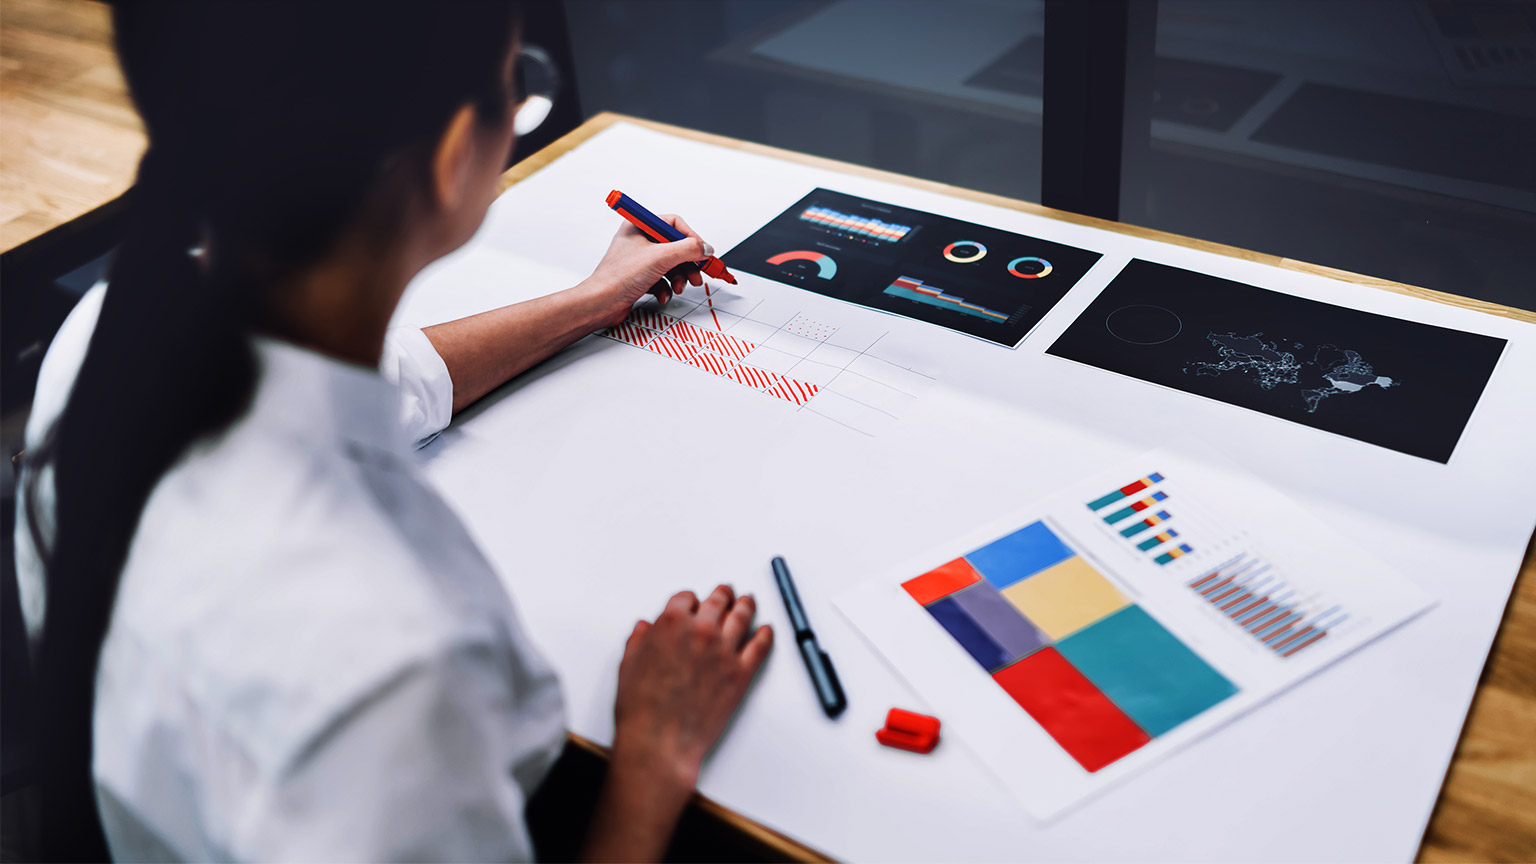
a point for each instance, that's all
(645, 447)
(1075, 641)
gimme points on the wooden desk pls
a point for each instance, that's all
(71, 142)
(1487, 808)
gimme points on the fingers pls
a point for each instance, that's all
(636, 636)
(677, 222)
(717, 604)
(670, 255)
(739, 619)
(682, 603)
(662, 291)
(756, 650)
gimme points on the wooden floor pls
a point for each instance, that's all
(69, 141)
(69, 138)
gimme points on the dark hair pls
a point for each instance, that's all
(269, 124)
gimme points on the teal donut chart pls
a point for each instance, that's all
(1045, 267)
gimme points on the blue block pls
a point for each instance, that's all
(1145, 670)
(971, 636)
(1020, 555)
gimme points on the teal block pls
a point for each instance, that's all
(1145, 670)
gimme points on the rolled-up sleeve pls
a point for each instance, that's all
(426, 391)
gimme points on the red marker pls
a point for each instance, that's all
(659, 231)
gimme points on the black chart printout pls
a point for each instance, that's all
(989, 283)
(1398, 384)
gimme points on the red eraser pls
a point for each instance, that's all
(908, 730)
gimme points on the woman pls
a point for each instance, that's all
(263, 635)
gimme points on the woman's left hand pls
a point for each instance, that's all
(634, 266)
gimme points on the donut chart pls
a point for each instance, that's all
(1030, 267)
(969, 251)
(826, 267)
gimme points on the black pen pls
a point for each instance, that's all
(823, 676)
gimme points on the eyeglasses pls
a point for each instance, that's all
(536, 84)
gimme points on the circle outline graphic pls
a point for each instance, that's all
(949, 252)
(1175, 315)
(1046, 265)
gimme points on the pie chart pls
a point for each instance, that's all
(825, 267)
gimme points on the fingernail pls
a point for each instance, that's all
(708, 249)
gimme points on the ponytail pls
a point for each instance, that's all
(169, 362)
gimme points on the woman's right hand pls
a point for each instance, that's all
(682, 677)
(633, 266)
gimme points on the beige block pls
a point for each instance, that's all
(1065, 598)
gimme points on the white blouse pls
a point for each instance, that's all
(309, 658)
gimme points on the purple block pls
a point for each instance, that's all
(1001, 620)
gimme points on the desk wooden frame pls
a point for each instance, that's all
(1494, 769)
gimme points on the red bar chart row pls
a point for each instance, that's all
(717, 353)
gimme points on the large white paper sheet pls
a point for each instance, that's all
(1082, 638)
(609, 477)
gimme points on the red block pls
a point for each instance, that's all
(1081, 719)
(909, 730)
(942, 581)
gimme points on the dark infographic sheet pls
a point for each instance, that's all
(988, 283)
(1398, 384)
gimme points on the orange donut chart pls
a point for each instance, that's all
(980, 253)
(1044, 265)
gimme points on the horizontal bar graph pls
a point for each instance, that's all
(1135, 507)
(1269, 609)
(1141, 525)
(909, 288)
(1125, 491)
(1175, 553)
(1157, 539)
(858, 226)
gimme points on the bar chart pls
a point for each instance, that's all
(1125, 491)
(857, 227)
(1272, 611)
(1137, 508)
(909, 288)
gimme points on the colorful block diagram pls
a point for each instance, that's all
(1100, 675)
(711, 351)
